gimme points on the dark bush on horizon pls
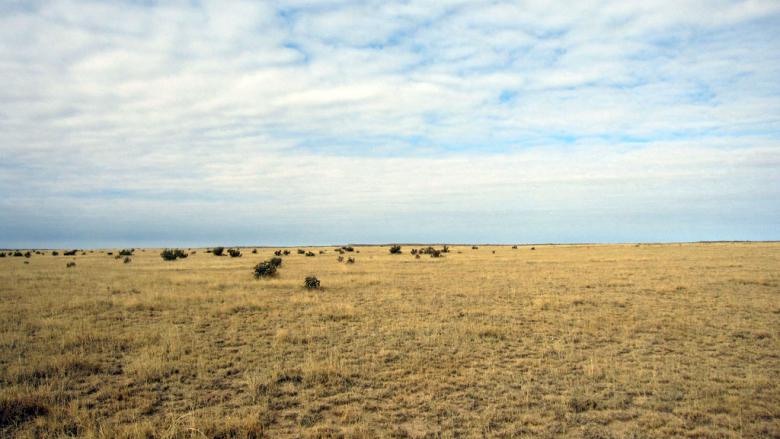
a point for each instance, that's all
(348, 248)
(171, 254)
(278, 253)
(70, 253)
(395, 250)
(301, 251)
(126, 252)
(310, 254)
(234, 253)
(218, 251)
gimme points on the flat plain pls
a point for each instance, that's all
(596, 341)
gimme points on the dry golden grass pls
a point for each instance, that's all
(573, 341)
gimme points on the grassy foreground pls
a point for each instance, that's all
(572, 341)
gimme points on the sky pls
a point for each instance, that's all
(198, 123)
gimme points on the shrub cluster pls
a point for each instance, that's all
(278, 253)
(301, 251)
(350, 260)
(55, 253)
(70, 253)
(348, 248)
(395, 250)
(474, 247)
(286, 252)
(310, 254)
(218, 251)
(171, 254)
(126, 252)
(18, 254)
(267, 268)
(234, 253)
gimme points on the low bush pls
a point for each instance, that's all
(27, 254)
(310, 254)
(171, 254)
(340, 259)
(127, 260)
(474, 247)
(435, 253)
(18, 254)
(395, 250)
(414, 251)
(70, 253)
(276, 262)
(110, 253)
(2, 255)
(311, 282)
(286, 252)
(264, 269)
(445, 249)
(218, 251)
(514, 247)
(234, 253)
(126, 252)
(55, 253)
(70, 264)
(301, 251)
(348, 248)
(278, 253)
(254, 251)
(350, 260)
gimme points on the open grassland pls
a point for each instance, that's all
(573, 341)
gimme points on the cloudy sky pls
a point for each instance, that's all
(200, 123)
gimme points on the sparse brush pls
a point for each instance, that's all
(127, 260)
(27, 254)
(234, 253)
(126, 252)
(264, 269)
(514, 247)
(2, 255)
(348, 248)
(435, 253)
(70, 264)
(173, 254)
(414, 251)
(350, 260)
(445, 249)
(18, 254)
(311, 282)
(340, 258)
(395, 250)
(417, 256)
(218, 251)
(110, 253)
(474, 247)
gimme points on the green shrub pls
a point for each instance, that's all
(276, 261)
(264, 269)
(218, 251)
(395, 250)
(2, 255)
(311, 282)
(172, 254)
(234, 253)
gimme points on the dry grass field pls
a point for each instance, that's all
(561, 341)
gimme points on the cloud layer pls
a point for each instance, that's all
(319, 122)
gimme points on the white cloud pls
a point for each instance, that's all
(340, 107)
